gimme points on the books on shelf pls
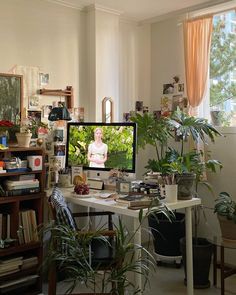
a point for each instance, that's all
(28, 224)
(22, 191)
(29, 262)
(11, 265)
(19, 184)
(135, 200)
(12, 285)
(5, 226)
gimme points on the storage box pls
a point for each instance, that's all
(35, 162)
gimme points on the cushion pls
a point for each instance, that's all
(63, 213)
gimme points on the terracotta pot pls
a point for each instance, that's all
(23, 139)
(228, 228)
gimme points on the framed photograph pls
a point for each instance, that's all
(11, 97)
(123, 187)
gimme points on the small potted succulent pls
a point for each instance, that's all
(24, 136)
(225, 208)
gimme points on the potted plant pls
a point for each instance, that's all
(130, 257)
(225, 208)
(191, 161)
(24, 136)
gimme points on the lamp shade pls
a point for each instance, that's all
(59, 113)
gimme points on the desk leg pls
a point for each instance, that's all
(189, 250)
(138, 241)
(222, 269)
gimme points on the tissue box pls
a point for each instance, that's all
(35, 162)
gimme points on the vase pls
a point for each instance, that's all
(23, 139)
(171, 192)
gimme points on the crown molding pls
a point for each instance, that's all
(96, 7)
(180, 12)
(66, 4)
(129, 20)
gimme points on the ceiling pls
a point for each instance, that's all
(141, 10)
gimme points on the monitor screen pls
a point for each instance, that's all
(101, 146)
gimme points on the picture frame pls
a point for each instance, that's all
(123, 186)
(11, 97)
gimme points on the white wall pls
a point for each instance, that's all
(38, 33)
(107, 60)
(166, 55)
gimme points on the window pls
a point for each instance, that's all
(223, 70)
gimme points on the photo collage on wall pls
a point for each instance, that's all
(173, 97)
(139, 109)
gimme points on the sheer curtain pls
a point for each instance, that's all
(197, 41)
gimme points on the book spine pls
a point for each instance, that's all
(25, 223)
(23, 191)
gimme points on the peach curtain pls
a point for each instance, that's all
(197, 41)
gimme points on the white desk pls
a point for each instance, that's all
(110, 205)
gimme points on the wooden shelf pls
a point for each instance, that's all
(12, 208)
(67, 93)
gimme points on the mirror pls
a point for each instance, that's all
(107, 110)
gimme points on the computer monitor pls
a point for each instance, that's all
(101, 146)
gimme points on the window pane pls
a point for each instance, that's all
(223, 70)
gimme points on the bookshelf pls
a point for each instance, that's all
(21, 256)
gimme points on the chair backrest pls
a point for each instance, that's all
(60, 211)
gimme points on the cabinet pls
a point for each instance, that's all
(22, 257)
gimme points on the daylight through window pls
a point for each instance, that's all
(223, 70)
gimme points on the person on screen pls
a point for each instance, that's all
(97, 150)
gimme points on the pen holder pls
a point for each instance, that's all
(64, 180)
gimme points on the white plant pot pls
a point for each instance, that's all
(23, 139)
(171, 191)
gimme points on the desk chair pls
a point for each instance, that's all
(101, 252)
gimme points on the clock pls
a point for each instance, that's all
(123, 186)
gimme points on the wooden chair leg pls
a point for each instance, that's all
(52, 281)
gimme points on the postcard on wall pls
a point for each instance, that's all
(166, 105)
(168, 88)
(46, 110)
(34, 115)
(79, 114)
(59, 149)
(33, 102)
(179, 102)
(181, 87)
(43, 79)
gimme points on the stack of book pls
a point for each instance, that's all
(28, 226)
(18, 286)
(21, 187)
(29, 262)
(135, 200)
(11, 265)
